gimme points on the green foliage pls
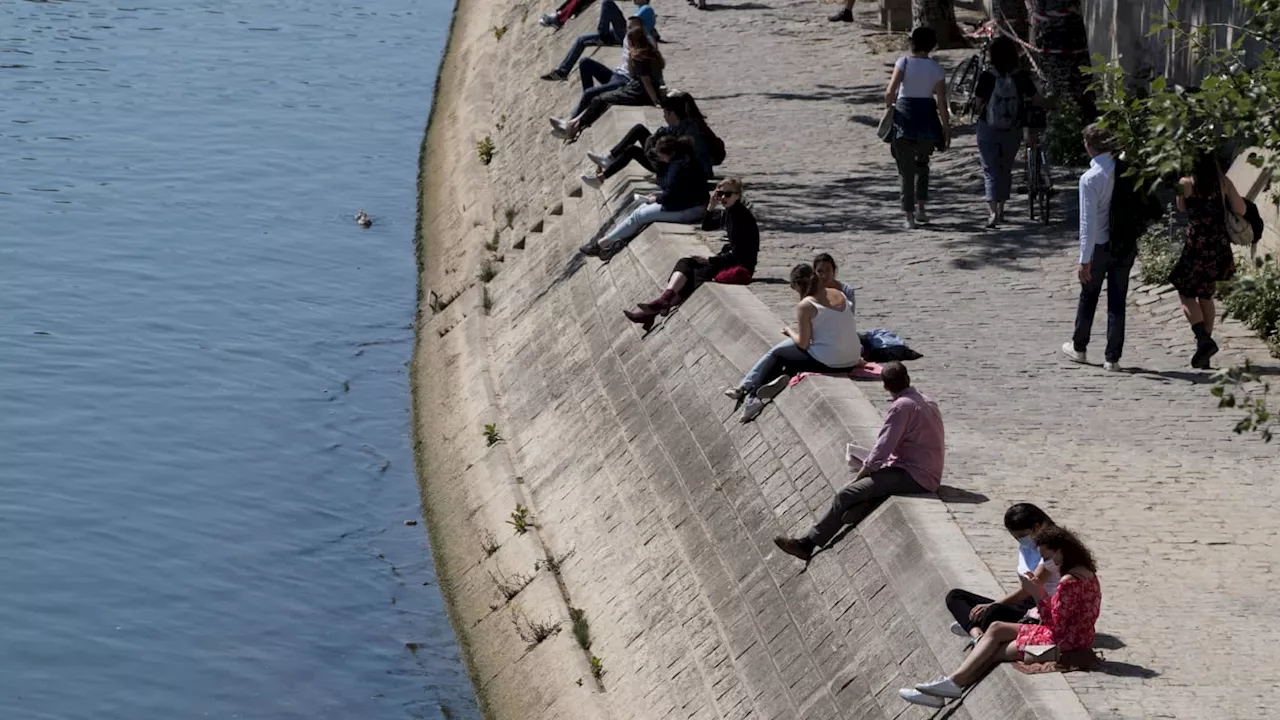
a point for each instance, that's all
(1162, 127)
(498, 32)
(1063, 140)
(484, 149)
(581, 628)
(1158, 251)
(1253, 298)
(597, 668)
(1242, 388)
(520, 519)
(491, 435)
(488, 271)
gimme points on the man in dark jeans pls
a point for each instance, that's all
(1113, 215)
(611, 29)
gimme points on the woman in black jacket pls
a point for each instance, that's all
(682, 198)
(734, 264)
(682, 118)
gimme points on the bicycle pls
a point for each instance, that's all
(1039, 177)
(963, 83)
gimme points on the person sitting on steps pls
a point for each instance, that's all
(1065, 634)
(611, 30)
(826, 342)
(644, 68)
(825, 266)
(974, 613)
(682, 199)
(683, 119)
(566, 11)
(597, 78)
(906, 459)
(735, 262)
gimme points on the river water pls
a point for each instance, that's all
(205, 464)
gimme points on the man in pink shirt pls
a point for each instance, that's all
(906, 459)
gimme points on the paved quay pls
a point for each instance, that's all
(1180, 511)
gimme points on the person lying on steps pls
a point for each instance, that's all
(1065, 633)
(826, 341)
(906, 459)
(644, 68)
(682, 199)
(611, 30)
(683, 119)
(734, 264)
(974, 613)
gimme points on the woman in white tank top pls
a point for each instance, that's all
(826, 341)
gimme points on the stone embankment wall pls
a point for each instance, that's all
(605, 544)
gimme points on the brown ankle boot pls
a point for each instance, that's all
(662, 305)
(642, 318)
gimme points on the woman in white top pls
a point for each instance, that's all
(827, 341)
(975, 613)
(921, 122)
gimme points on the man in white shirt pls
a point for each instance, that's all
(1098, 262)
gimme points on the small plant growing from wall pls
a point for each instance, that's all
(494, 242)
(510, 215)
(520, 519)
(484, 149)
(489, 543)
(498, 32)
(581, 629)
(502, 122)
(597, 668)
(487, 271)
(491, 435)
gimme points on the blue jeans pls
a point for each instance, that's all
(782, 359)
(594, 72)
(646, 215)
(610, 30)
(1115, 271)
(998, 149)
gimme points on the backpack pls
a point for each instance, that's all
(1132, 212)
(1004, 108)
(715, 145)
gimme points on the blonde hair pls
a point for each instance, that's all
(733, 185)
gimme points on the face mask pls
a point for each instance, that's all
(1027, 543)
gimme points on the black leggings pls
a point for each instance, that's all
(960, 602)
(630, 148)
(696, 273)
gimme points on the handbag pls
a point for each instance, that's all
(1239, 230)
(885, 129)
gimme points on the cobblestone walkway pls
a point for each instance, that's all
(1181, 512)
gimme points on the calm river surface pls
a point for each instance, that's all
(205, 463)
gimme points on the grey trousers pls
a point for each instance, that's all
(912, 157)
(855, 501)
(998, 149)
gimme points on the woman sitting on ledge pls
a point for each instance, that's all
(683, 119)
(1067, 620)
(644, 64)
(682, 198)
(975, 613)
(827, 342)
(734, 264)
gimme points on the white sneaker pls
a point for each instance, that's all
(1111, 366)
(910, 224)
(943, 687)
(751, 409)
(922, 216)
(735, 393)
(958, 629)
(1069, 349)
(916, 697)
(602, 161)
(592, 180)
(773, 388)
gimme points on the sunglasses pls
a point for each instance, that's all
(725, 193)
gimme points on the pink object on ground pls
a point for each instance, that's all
(864, 371)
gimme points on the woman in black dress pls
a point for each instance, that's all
(1206, 258)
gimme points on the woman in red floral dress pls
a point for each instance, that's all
(1067, 620)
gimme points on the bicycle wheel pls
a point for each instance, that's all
(964, 80)
(1046, 187)
(1033, 181)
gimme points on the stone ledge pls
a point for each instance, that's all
(918, 545)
